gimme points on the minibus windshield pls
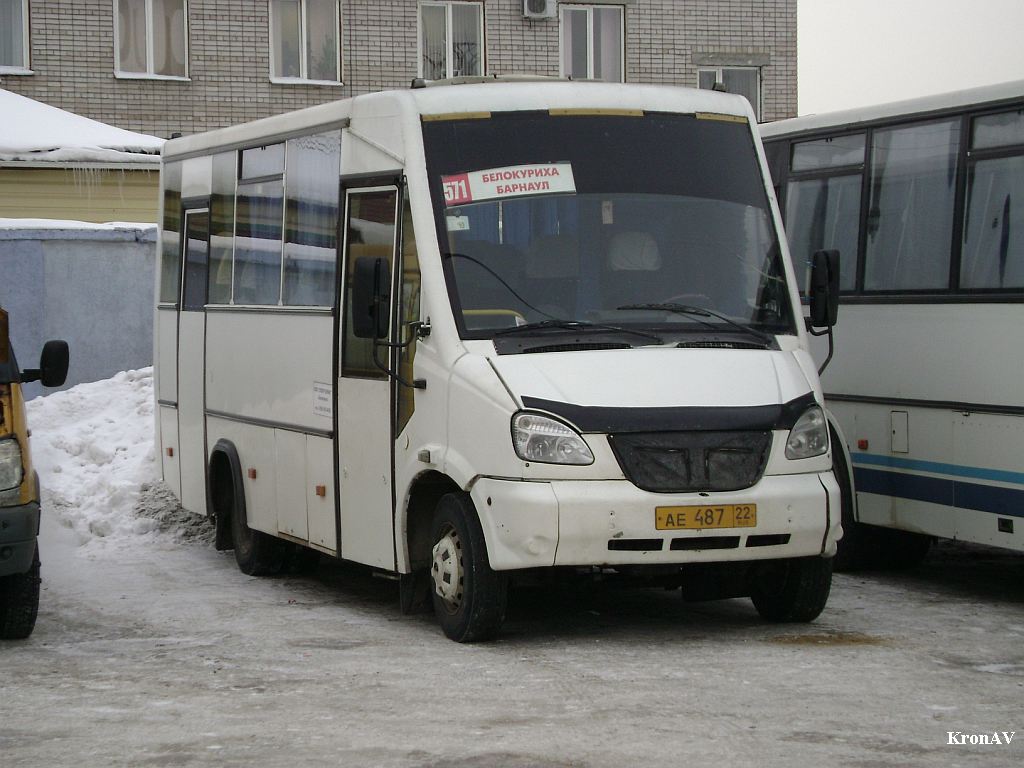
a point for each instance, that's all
(605, 219)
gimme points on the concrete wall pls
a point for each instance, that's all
(72, 56)
(91, 287)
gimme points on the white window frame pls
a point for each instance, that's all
(565, 7)
(449, 57)
(719, 79)
(303, 60)
(149, 74)
(23, 68)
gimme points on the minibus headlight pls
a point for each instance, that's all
(10, 464)
(541, 438)
(809, 436)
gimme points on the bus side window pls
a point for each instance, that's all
(170, 256)
(311, 215)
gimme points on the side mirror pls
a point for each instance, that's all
(824, 289)
(371, 293)
(53, 365)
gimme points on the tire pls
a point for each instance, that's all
(19, 602)
(469, 597)
(901, 550)
(793, 590)
(257, 553)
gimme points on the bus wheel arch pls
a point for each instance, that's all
(257, 553)
(850, 554)
(424, 494)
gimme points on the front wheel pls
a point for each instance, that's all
(469, 596)
(792, 590)
(19, 602)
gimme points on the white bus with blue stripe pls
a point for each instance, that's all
(924, 199)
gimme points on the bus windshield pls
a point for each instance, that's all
(659, 221)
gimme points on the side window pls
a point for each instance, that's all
(311, 219)
(910, 209)
(592, 42)
(451, 39)
(152, 38)
(170, 235)
(222, 226)
(746, 81)
(993, 240)
(259, 215)
(369, 234)
(197, 249)
(304, 40)
(13, 35)
(823, 201)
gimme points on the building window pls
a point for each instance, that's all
(304, 40)
(746, 81)
(451, 40)
(152, 38)
(592, 42)
(13, 35)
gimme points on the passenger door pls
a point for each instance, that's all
(364, 409)
(191, 357)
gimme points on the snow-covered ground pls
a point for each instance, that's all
(153, 649)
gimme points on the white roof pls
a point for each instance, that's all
(33, 131)
(921, 106)
(498, 95)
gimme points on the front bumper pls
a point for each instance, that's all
(610, 523)
(19, 527)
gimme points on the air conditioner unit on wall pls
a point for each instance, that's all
(539, 9)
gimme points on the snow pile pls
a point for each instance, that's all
(93, 448)
(33, 131)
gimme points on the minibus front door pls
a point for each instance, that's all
(191, 359)
(364, 410)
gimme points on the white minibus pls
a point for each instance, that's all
(924, 200)
(466, 332)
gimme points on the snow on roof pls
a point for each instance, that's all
(33, 131)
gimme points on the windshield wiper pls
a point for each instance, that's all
(574, 325)
(688, 309)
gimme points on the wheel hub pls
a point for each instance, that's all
(446, 571)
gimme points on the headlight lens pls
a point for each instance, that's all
(543, 439)
(10, 464)
(809, 436)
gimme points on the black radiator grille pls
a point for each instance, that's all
(673, 462)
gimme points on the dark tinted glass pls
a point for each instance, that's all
(650, 209)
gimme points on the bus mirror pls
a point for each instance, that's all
(53, 365)
(371, 289)
(824, 292)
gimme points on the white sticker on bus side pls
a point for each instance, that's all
(513, 181)
(322, 405)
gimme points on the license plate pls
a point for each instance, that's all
(709, 516)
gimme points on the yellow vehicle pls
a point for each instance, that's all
(19, 486)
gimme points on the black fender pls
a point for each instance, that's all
(224, 452)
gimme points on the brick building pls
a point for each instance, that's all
(168, 66)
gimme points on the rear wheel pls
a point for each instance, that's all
(19, 602)
(793, 590)
(257, 553)
(469, 596)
